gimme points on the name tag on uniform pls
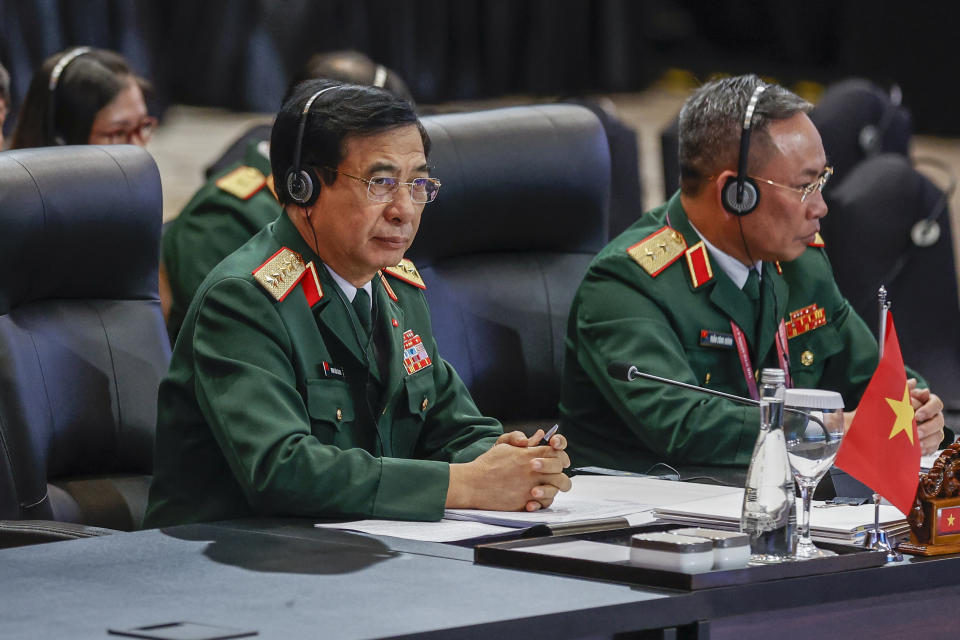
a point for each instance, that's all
(716, 339)
(331, 371)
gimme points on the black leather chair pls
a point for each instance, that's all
(523, 210)
(868, 238)
(859, 120)
(82, 339)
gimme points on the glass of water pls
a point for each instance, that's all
(813, 429)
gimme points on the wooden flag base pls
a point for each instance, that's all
(935, 517)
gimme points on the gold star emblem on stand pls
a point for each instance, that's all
(904, 411)
(950, 520)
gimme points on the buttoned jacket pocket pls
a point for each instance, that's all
(330, 408)
(810, 352)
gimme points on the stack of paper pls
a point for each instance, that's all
(593, 499)
(828, 523)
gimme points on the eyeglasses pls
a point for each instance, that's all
(142, 131)
(383, 188)
(807, 189)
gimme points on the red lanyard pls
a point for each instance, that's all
(783, 356)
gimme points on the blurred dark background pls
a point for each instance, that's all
(240, 54)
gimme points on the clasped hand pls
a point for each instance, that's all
(517, 473)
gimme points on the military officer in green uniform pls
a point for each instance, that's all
(306, 380)
(240, 198)
(727, 277)
(225, 213)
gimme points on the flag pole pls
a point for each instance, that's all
(877, 540)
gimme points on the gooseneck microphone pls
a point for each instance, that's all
(628, 372)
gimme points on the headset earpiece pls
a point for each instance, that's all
(740, 195)
(303, 186)
(743, 203)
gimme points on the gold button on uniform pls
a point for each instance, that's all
(339, 415)
(423, 405)
(806, 358)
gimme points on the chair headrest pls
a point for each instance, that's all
(532, 178)
(78, 222)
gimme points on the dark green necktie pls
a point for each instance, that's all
(361, 304)
(752, 286)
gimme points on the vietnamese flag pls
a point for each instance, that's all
(948, 520)
(882, 448)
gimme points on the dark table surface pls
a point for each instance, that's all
(287, 579)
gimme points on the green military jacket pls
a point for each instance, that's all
(676, 324)
(220, 217)
(277, 407)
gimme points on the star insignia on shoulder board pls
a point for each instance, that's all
(407, 272)
(658, 250)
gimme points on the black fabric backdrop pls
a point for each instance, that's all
(240, 53)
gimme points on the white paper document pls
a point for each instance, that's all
(591, 498)
(443, 531)
(563, 510)
(841, 523)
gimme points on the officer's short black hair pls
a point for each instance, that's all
(343, 112)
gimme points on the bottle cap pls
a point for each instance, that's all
(773, 376)
(813, 399)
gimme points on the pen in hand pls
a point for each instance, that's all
(549, 434)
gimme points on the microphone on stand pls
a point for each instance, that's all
(628, 372)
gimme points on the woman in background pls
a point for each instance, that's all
(84, 96)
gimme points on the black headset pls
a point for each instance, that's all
(871, 136)
(302, 186)
(740, 195)
(55, 74)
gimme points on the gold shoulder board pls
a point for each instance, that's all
(658, 250)
(407, 272)
(242, 182)
(280, 273)
(817, 241)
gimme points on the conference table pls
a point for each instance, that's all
(284, 578)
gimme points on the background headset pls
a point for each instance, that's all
(302, 186)
(740, 195)
(380, 76)
(871, 136)
(55, 74)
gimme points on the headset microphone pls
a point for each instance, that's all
(740, 195)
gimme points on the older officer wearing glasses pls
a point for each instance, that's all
(727, 277)
(306, 380)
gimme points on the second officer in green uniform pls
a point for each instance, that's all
(712, 286)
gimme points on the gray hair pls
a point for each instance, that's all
(711, 122)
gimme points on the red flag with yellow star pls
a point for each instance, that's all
(882, 448)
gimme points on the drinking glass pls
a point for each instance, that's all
(813, 431)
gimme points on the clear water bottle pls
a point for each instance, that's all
(769, 503)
